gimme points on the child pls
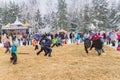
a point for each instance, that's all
(59, 42)
(7, 46)
(14, 54)
(42, 47)
(47, 47)
(35, 43)
(54, 42)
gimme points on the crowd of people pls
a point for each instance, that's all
(50, 40)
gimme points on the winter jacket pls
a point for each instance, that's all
(54, 41)
(47, 42)
(7, 44)
(34, 42)
(13, 49)
(96, 37)
(78, 36)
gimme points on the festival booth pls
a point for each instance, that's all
(17, 27)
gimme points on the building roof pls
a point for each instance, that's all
(17, 23)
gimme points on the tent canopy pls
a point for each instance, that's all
(8, 25)
(26, 24)
(62, 30)
(13, 28)
(17, 23)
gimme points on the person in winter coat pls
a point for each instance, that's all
(47, 47)
(71, 37)
(118, 37)
(97, 44)
(87, 44)
(78, 38)
(7, 45)
(35, 43)
(42, 47)
(13, 54)
(59, 41)
(41, 42)
(54, 42)
(113, 38)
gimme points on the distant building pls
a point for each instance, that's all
(16, 27)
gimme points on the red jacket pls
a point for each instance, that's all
(96, 37)
(118, 36)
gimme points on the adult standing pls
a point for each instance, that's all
(78, 38)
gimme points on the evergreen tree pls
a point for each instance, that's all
(51, 17)
(38, 21)
(112, 15)
(10, 13)
(81, 20)
(87, 18)
(26, 17)
(116, 20)
(118, 7)
(101, 13)
(53, 21)
(62, 18)
(1, 13)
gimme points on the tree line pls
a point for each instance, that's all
(74, 17)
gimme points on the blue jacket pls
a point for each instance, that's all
(47, 42)
(13, 49)
(78, 36)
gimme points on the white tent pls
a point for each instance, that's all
(14, 26)
(17, 23)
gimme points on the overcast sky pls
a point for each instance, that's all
(43, 3)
